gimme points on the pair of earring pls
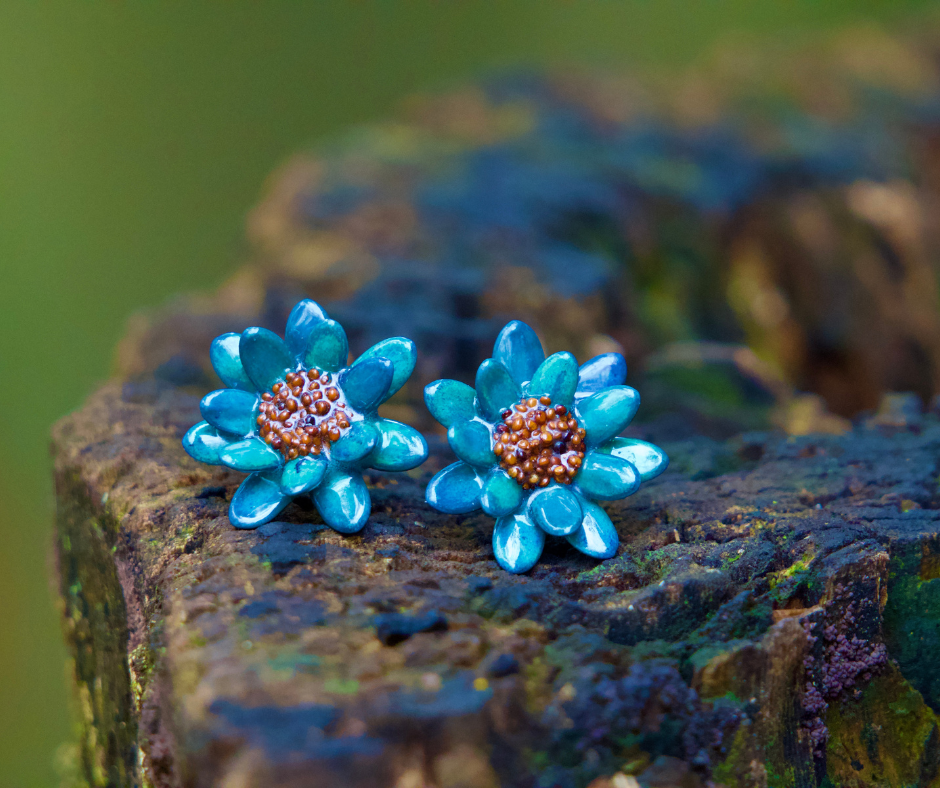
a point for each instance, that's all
(536, 437)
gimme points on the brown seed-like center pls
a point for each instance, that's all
(304, 414)
(539, 442)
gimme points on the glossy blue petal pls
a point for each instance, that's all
(496, 390)
(355, 444)
(403, 355)
(501, 495)
(455, 490)
(398, 447)
(252, 454)
(327, 347)
(597, 536)
(556, 509)
(258, 500)
(517, 543)
(601, 372)
(450, 401)
(265, 357)
(647, 458)
(343, 502)
(366, 385)
(302, 475)
(303, 318)
(223, 353)
(606, 413)
(606, 477)
(556, 377)
(203, 443)
(518, 349)
(230, 410)
(471, 441)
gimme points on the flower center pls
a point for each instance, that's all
(304, 414)
(539, 442)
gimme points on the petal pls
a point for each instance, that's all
(230, 410)
(403, 355)
(265, 357)
(450, 401)
(517, 543)
(518, 349)
(455, 490)
(258, 500)
(496, 390)
(223, 353)
(501, 495)
(601, 372)
(606, 477)
(301, 322)
(355, 444)
(343, 502)
(252, 454)
(556, 510)
(607, 412)
(597, 536)
(647, 458)
(472, 442)
(365, 385)
(398, 447)
(302, 475)
(203, 443)
(556, 377)
(327, 347)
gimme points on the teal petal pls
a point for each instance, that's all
(366, 385)
(517, 543)
(203, 443)
(606, 413)
(223, 353)
(398, 447)
(265, 357)
(597, 536)
(343, 502)
(403, 355)
(501, 495)
(300, 324)
(556, 377)
(258, 500)
(647, 458)
(252, 454)
(556, 510)
(355, 444)
(455, 490)
(471, 441)
(327, 347)
(601, 372)
(496, 390)
(450, 401)
(302, 475)
(518, 349)
(230, 410)
(605, 477)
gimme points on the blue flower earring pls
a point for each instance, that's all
(537, 445)
(302, 422)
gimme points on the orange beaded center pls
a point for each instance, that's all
(539, 442)
(303, 415)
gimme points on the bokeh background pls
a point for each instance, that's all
(133, 140)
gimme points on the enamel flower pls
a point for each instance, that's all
(538, 446)
(302, 422)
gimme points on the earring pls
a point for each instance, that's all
(537, 444)
(301, 422)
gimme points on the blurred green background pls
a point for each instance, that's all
(134, 138)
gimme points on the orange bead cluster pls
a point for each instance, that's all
(304, 414)
(538, 443)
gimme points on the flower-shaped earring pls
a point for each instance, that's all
(537, 446)
(301, 422)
